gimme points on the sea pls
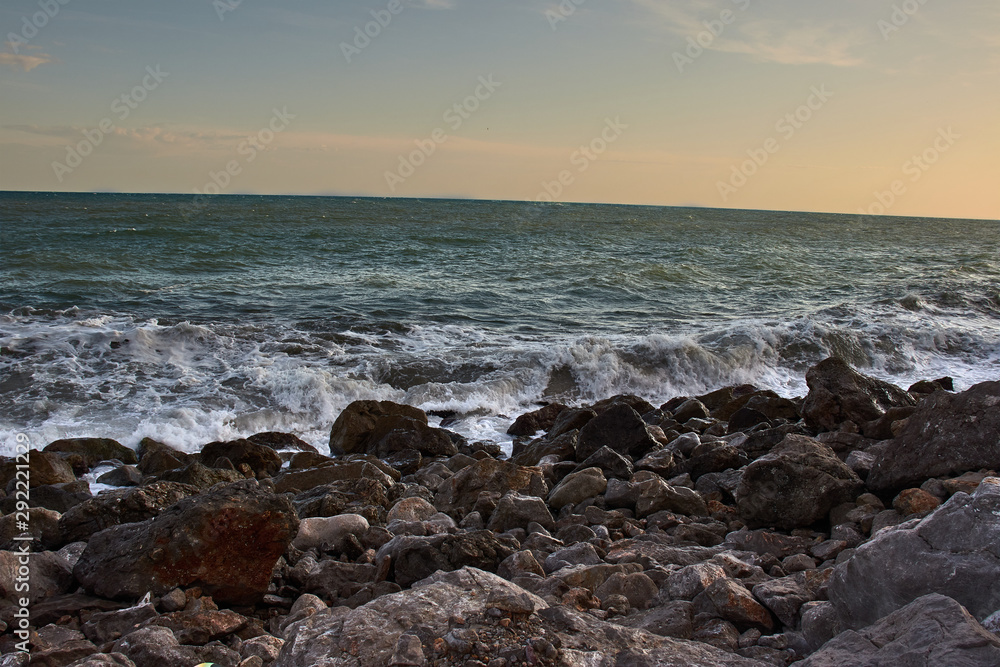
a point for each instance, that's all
(189, 321)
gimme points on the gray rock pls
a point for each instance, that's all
(931, 631)
(155, 646)
(954, 551)
(103, 660)
(838, 393)
(687, 582)
(108, 626)
(48, 575)
(948, 434)
(786, 595)
(620, 428)
(413, 558)
(637, 588)
(577, 487)
(517, 511)
(315, 532)
(656, 495)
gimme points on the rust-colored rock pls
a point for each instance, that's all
(915, 501)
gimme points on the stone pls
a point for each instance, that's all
(672, 619)
(411, 509)
(363, 496)
(663, 462)
(563, 448)
(637, 588)
(610, 462)
(687, 582)
(265, 647)
(746, 418)
(691, 409)
(112, 508)
(582, 553)
(946, 435)
(48, 574)
(794, 486)
(94, 450)
(838, 394)
(518, 564)
(306, 479)
(42, 525)
(458, 494)
(281, 442)
(572, 419)
(914, 501)
(331, 532)
(352, 429)
(954, 551)
(656, 495)
(577, 487)
(931, 630)
(200, 627)
(43, 468)
(618, 427)
(200, 476)
(104, 627)
(225, 540)
(413, 558)
(541, 419)
(715, 456)
(103, 660)
(764, 542)
(785, 596)
(126, 475)
(263, 460)
(517, 511)
(154, 646)
(735, 604)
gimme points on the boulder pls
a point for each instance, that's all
(838, 394)
(571, 419)
(636, 587)
(618, 427)
(458, 494)
(795, 485)
(331, 532)
(541, 419)
(225, 540)
(104, 660)
(577, 487)
(282, 442)
(786, 595)
(43, 468)
(262, 460)
(353, 429)
(656, 495)
(108, 626)
(309, 478)
(735, 604)
(413, 558)
(946, 435)
(562, 447)
(94, 450)
(688, 582)
(930, 631)
(611, 462)
(954, 551)
(200, 476)
(42, 525)
(411, 509)
(200, 627)
(120, 506)
(48, 575)
(363, 496)
(517, 511)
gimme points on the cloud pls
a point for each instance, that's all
(25, 61)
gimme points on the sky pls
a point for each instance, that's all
(853, 106)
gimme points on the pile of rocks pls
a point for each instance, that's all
(857, 526)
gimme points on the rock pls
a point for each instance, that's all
(541, 419)
(371, 634)
(715, 456)
(914, 501)
(200, 627)
(610, 462)
(225, 540)
(746, 418)
(765, 542)
(103, 627)
(458, 494)
(103, 660)
(663, 462)
(953, 551)
(413, 558)
(672, 619)
(637, 588)
(582, 553)
(946, 435)
(42, 525)
(56, 646)
(931, 630)
(577, 487)
(517, 511)
(395, 433)
(303, 480)
(155, 646)
(411, 509)
(519, 564)
(655, 495)
(263, 460)
(362, 496)
(281, 442)
(120, 506)
(48, 574)
(317, 532)
(570, 420)
(94, 450)
(43, 468)
(691, 409)
(795, 485)
(351, 431)
(838, 393)
(786, 595)
(200, 476)
(562, 448)
(264, 647)
(620, 428)
(159, 460)
(688, 582)
(121, 476)
(735, 604)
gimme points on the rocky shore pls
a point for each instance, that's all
(859, 525)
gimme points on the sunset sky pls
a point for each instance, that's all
(856, 105)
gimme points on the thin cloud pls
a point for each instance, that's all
(24, 61)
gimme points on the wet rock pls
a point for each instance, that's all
(946, 435)
(541, 419)
(795, 485)
(691, 409)
(562, 447)
(577, 487)
(838, 394)
(225, 540)
(353, 428)
(517, 511)
(126, 475)
(297, 481)
(200, 476)
(931, 630)
(458, 494)
(120, 506)
(281, 442)
(570, 420)
(262, 460)
(954, 551)
(620, 428)
(94, 450)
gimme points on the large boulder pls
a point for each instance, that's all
(413, 558)
(794, 486)
(43, 468)
(619, 427)
(954, 551)
(94, 450)
(930, 631)
(261, 459)
(541, 419)
(577, 487)
(838, 394)
(458, 494)
(225, 540)
(382, 427)
(118, 506)
(947, 434)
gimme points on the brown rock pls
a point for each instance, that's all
(458, 494)
(915, 501)
(352, 430)
(541, 419)
(838, 394)
(94, 450)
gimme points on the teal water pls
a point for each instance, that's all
(136, 315)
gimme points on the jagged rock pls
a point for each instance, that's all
(225, 540)
(42, 525)
(155, 646)
(570, 420)
(954, 551)
(946, 435)
(691, 409)
(384, 427)
(458, 494)
(656, 495)
(303, 480)
(200, 476)
(263, 460)
(663, 462)
(413, 558)
(120, 506)
(610, 462)
(541, 419)
(734, 603)
(264, 647)
(517, 511)
(795, 485)
(103, 627)
(766, 542)
(577, 487)
(562, 447)
(281, 442)
(932, 630)
(915, 501)
(200, 627)
(94, 450)
(618, 427)
(672, 619)
(786, 595)
(838, 393)
(688, 582)
(363, 496)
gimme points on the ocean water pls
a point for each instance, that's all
(128, 316)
